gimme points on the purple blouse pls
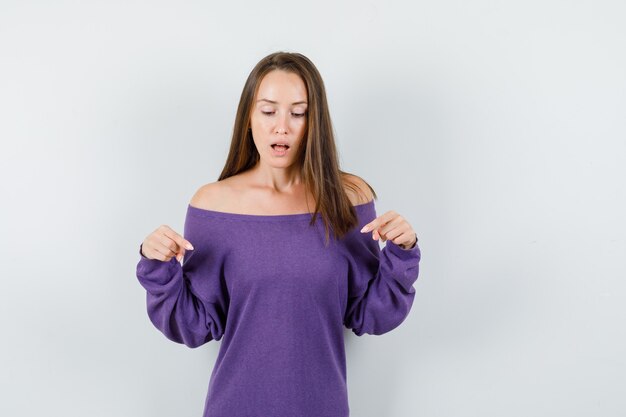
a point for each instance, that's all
(278, 299)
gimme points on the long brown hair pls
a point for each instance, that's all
(318, 160)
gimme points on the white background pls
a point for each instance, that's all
(497, 128)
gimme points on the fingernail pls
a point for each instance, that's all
(364, 229)
(188, 246)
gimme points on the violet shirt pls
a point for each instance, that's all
(278, 299)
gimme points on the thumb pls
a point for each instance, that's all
(184, 244)
(181, 244)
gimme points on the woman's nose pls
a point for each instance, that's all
(281, 125)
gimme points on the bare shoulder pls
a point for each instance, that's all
(209, 196)
(357, 189)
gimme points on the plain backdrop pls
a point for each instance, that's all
(497, 128)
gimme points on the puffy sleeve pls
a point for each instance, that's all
(188, 303)
(380, 282)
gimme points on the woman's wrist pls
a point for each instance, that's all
(407, 247)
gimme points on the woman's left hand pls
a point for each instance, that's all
(394, 227)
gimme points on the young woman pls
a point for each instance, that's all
(279, 255)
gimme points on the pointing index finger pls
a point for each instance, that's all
(180, 241)
(377, 222)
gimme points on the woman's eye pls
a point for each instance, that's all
(269, 113)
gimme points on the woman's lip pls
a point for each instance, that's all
(279, 153)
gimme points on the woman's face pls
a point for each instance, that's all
(279, 117)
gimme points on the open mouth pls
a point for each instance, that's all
(280, 147)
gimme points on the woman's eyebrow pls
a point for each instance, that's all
(275, 102)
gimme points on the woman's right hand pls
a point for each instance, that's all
(163, 244)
